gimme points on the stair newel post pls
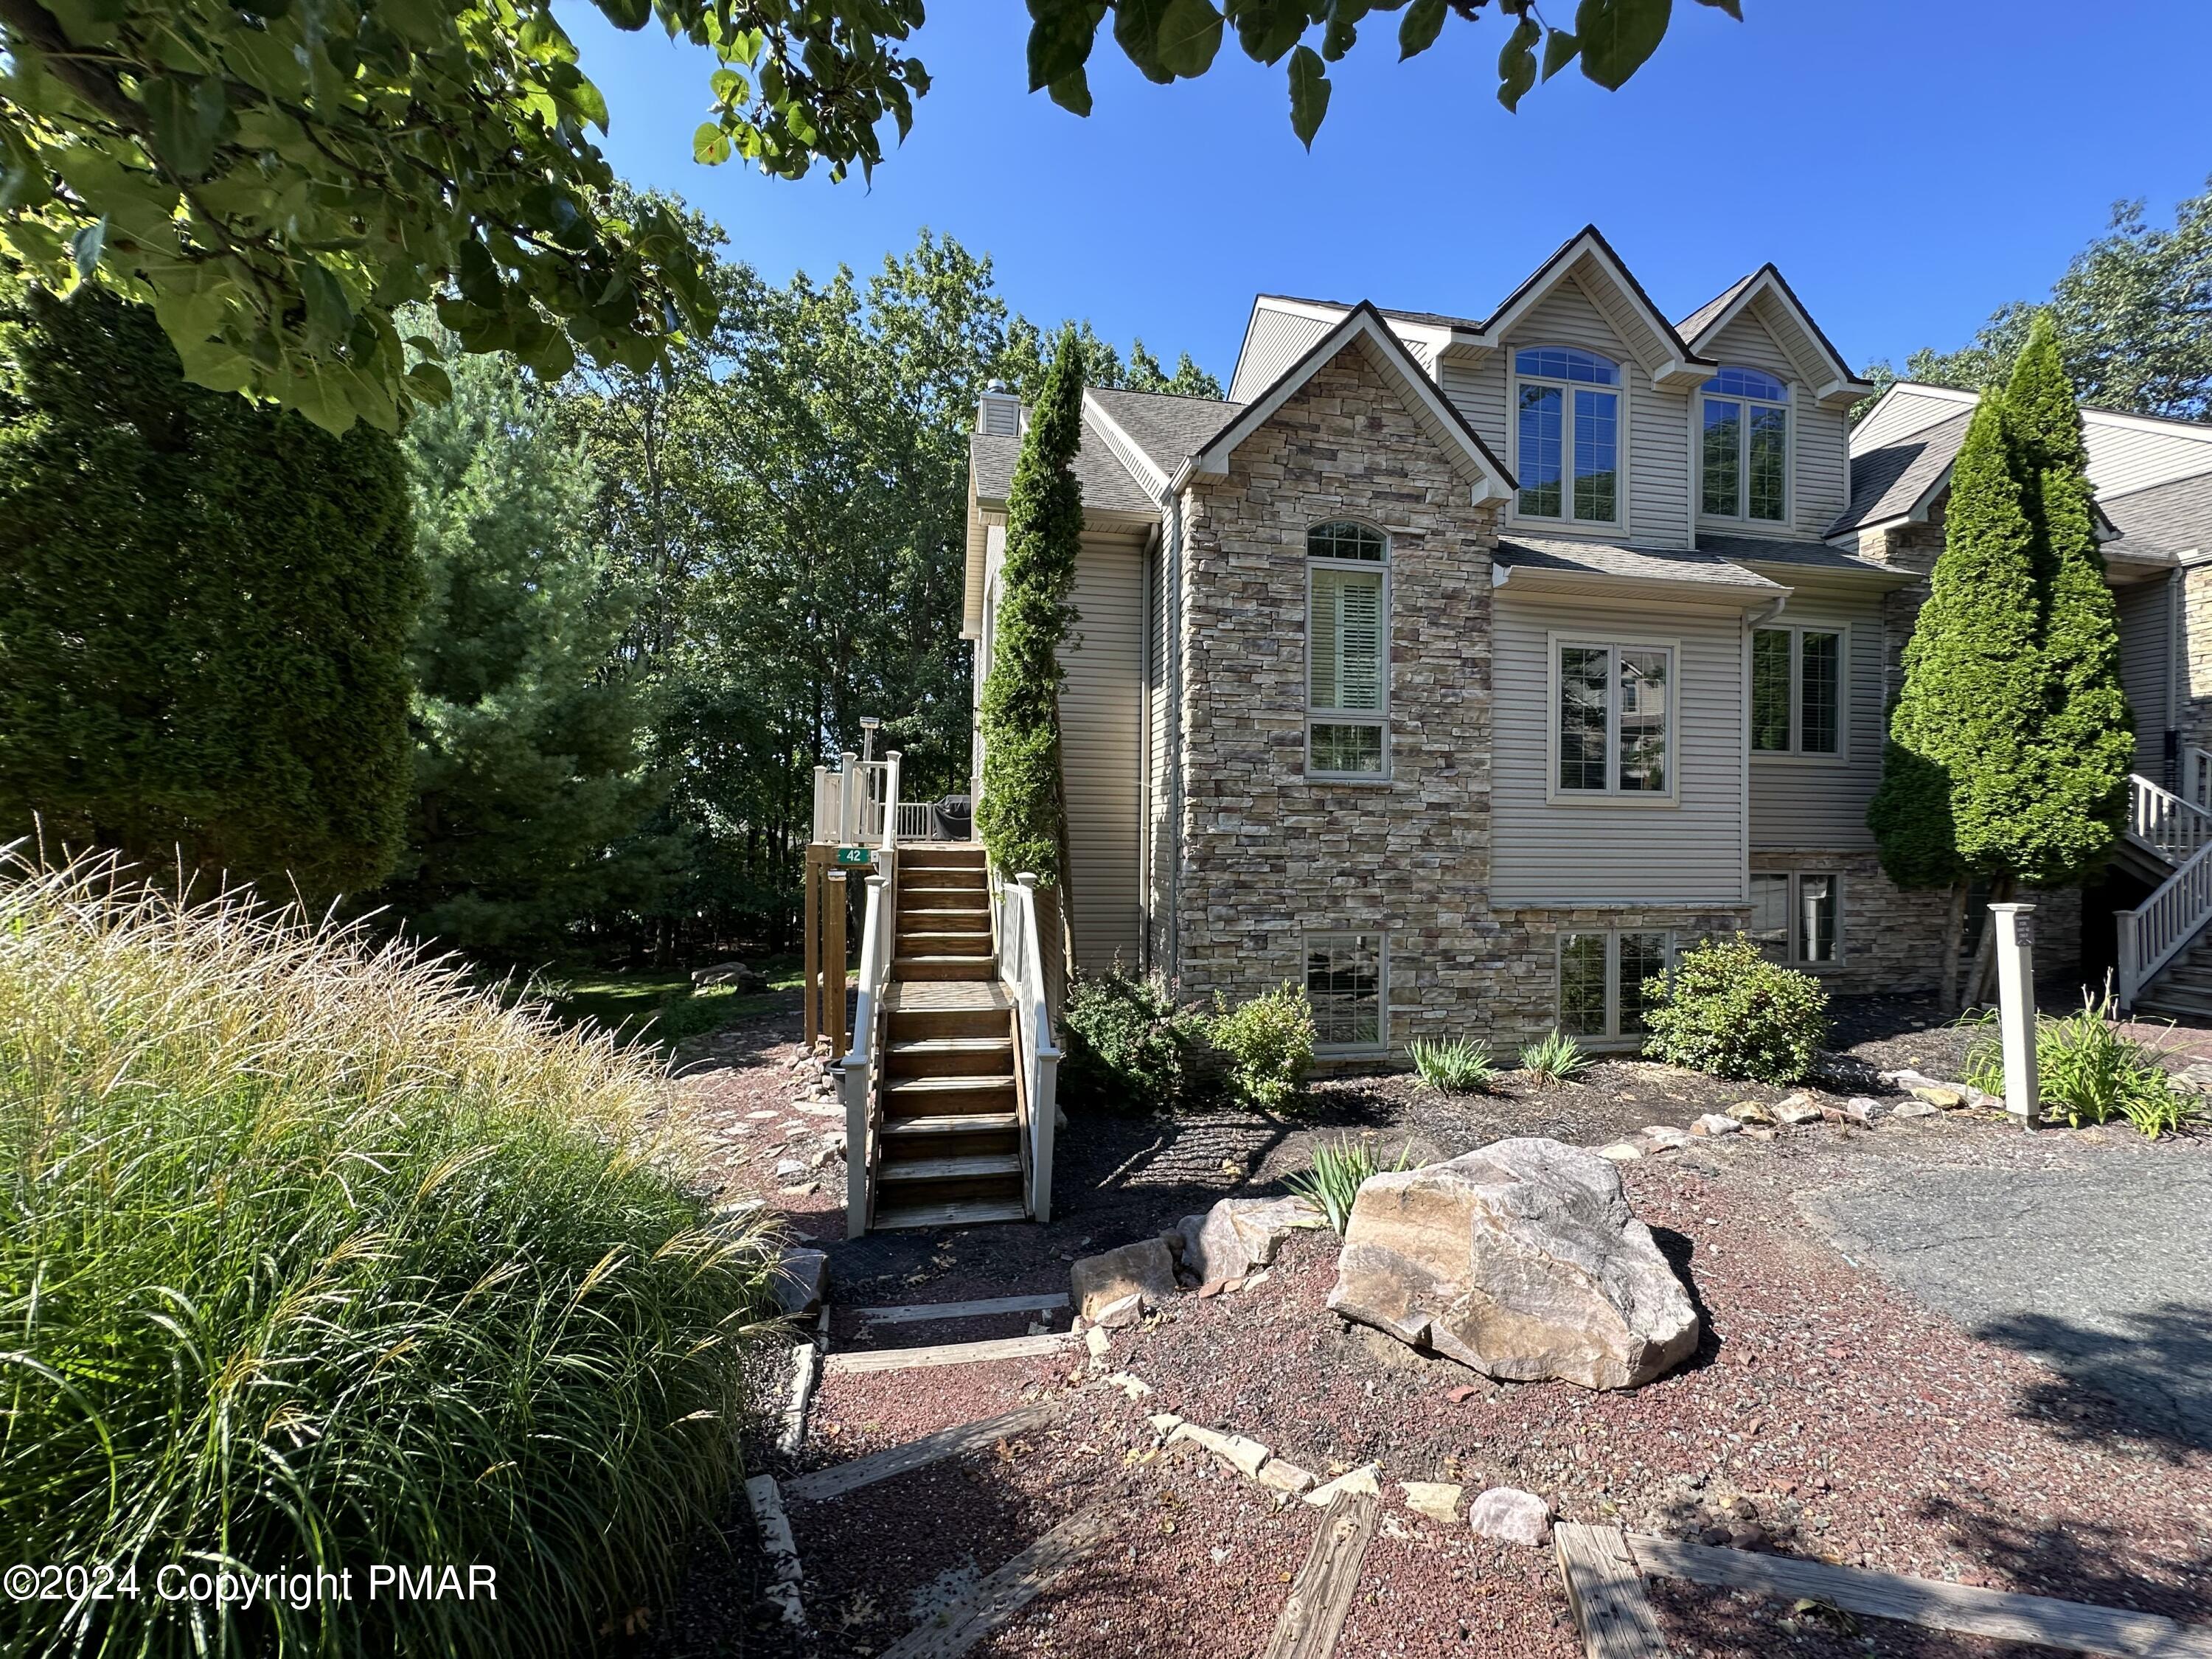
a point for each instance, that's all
(859, 1063)
(891, 800)
(833, 959)
(1042, 1061)
(852, 786)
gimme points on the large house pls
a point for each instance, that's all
(1464, 669)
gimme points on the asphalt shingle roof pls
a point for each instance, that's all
(2167, 519)
(1804, 555)
(1640, 564)
(1107, 485)
(1697, 322)
(1887, 482)
(1167, 429)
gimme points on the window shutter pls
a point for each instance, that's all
(1321, 639)
(1359, 643)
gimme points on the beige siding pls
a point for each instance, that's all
(1102, 710)
(1277, 339)
(1901, 414)
(1819, 439)
(2146, 644)
(1655, 427)
(2123, 456)
(1616, 852)
(1818, 804)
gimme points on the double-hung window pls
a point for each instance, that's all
(1347, 982)
(1613, 719)
(1798, 691)
(1796, 918)
(1601, 978)
(1347, 650)
(1746, 455)
(1567, 434)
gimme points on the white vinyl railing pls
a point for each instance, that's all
(857, 802)
(2155, 931)
(1037, 1057)
(2196, 777)
(917, 820)
(2176, 830)
(862, 1067)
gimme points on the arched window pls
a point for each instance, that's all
(1347, 650)
(1567, 434)
(1745, 460)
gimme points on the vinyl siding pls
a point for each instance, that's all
(1900, 415)
(1655, 429)
(1819, 439)
(1820, 804)
(1277, 339)
(1102, 710)
(2124, 458)
(1619, 852)
(2145, 641)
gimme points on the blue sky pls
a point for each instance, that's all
(1909, 165)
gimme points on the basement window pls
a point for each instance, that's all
(1601, 978)
(1345, 980)
(1794, 917)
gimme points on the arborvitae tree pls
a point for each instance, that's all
(204, 607)
(531, 774)
(2087, 734)
(1022, 816)
(1964, 760)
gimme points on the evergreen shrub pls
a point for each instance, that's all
(1726, 1010)
(1129, 1047)
(1266, 1046)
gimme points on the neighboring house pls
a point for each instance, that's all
(1463, 671)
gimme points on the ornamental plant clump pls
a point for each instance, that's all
(1266, 1046)
(1726, 1010)
(316, 1255)
(1338, 1172)
(2087, 1068)
(1460, 1066)
(1129, 1047)
(1554, 1057)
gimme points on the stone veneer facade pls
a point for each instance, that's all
(1267, 856)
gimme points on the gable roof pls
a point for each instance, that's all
(1801, 337)
(2174, 518)
(1365, 327)
(1555, 562)
(1667, 356)
(1901, 480)
(1108, 486)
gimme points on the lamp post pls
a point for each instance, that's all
(2015, 927)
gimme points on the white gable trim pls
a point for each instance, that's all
(1661, 357)
(1830, 377)
(1125, 449)
(1362, 325)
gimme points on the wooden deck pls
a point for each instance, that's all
(946, 996)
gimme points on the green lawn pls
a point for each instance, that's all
(625, 1002)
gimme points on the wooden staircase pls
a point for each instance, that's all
(950, 1144)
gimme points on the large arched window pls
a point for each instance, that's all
(1745, 458)
(1567, 434)
(1347, 650)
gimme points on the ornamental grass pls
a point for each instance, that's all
(315, 1255)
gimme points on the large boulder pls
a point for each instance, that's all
(1240, 1236)
(1112, 1288)
(1521, 1259)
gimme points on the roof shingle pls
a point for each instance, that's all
(1635, 563)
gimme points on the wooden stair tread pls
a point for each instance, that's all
(944, 996)
(972, 1166)
(951, 1123)
(953, 1213)
(973, 1045)
(947, 1086)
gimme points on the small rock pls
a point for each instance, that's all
(1098, 1341)
(1918, 1108)
(1164, 1422)
(1437, 1499)
(800, 1278)
(1716, 1536)
(1759, 1134)
(1238, 1235)
(1941, 1096)
(1621, 1151)
(1750, 1111)
(1280, 1476)
(1135, 1387)
(1141, 1271)
(1118, 1315)
(1360, 1480)
(1743, 1508)
(791, 1166)
(1716, 1123)
(1746, 1538)
(1245, 1455)
(1207, 1291)
(1794, 1108)
(1665, 1137)
(1511, 1517)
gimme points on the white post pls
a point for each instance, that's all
(2015, 928)
(891, 800)
(851, 783)
(855, 1071)
(821, 829)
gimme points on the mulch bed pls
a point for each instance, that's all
(1825, 1414)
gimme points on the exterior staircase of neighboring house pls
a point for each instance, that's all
(950, 1147)
(2165, 958)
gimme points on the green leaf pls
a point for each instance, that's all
(1268, 28)
(1309, 94)
(626, 14)
(1137, 32)
(710, 145)
(477, 276)
(1424, 21)
(1517, 63)
(1733, 7)
(1559, 51)
(430, 383)
(1072, 92)
(187, 117)
(330, 314)
(85, 247)
(1060, 36)
(589, 102)
(1617, 36)
(423, 22)
(1190, 34)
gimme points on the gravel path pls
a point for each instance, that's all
(2098, 1262)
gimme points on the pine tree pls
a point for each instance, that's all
(531, 750)
(204, 607)
(1961, 768)
(2087, 741)
(1022, 816)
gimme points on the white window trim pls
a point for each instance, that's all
(1347, 716)
(1793, 957)
(1331, 935)
(1742, 513)
(1794, 756)
(1514, 381)
(1611, 794)
(1612, 1037)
